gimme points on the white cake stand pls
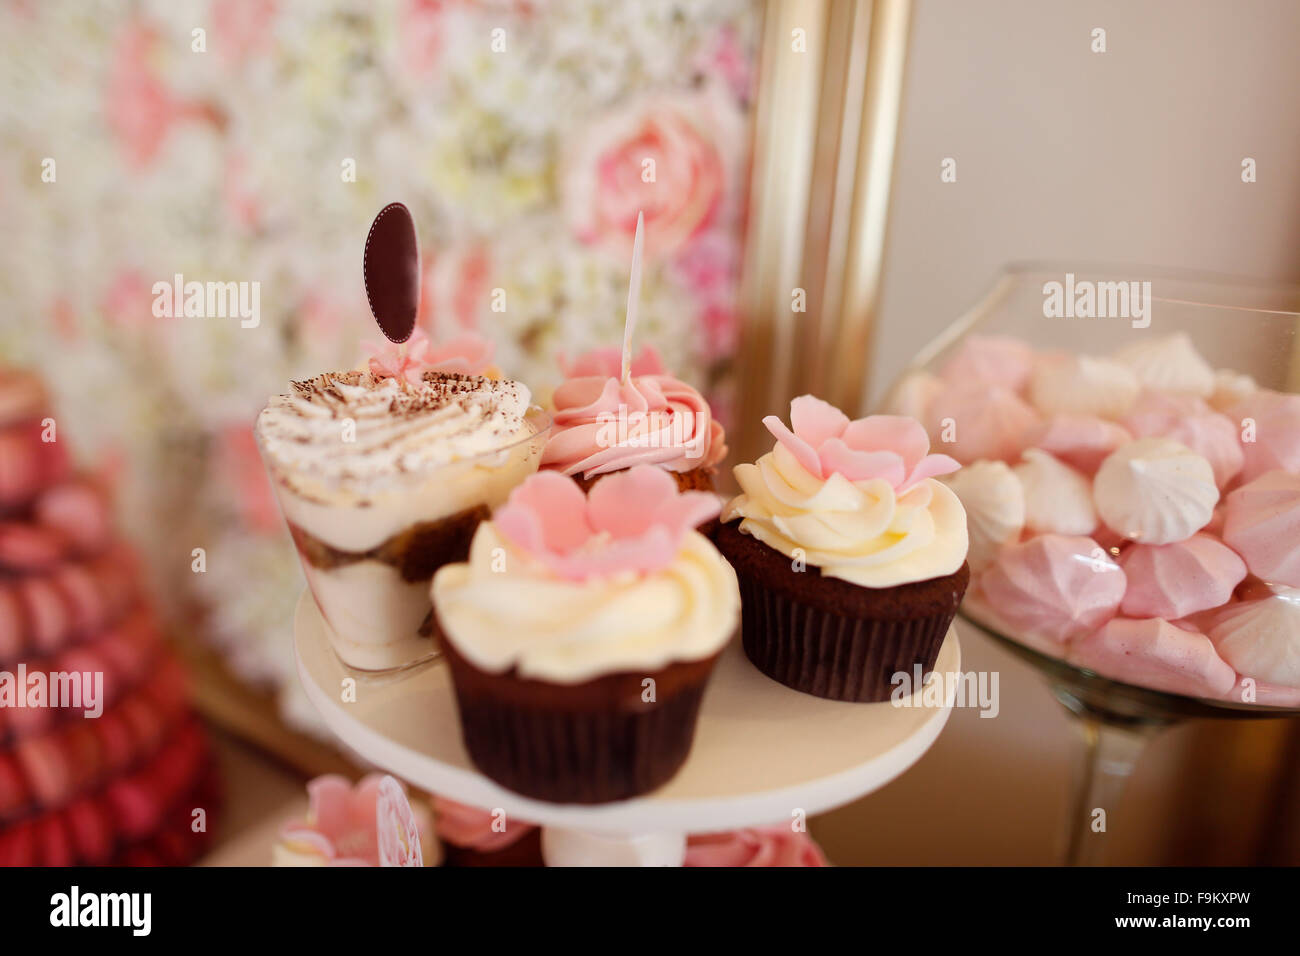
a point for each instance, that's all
(763, 753)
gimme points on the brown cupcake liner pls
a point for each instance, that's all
(819, 652)
(587, 743)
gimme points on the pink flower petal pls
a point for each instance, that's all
(836, 456)
(814, 420)
(330, 801)
(931, 466)
(802, 451)
(687, 511)
(627, 503)
(893, 433)
(548, 512)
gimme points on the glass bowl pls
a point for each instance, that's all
(1246, 325)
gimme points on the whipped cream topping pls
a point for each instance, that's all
(858, 531)
(341, 436)
(504, 609)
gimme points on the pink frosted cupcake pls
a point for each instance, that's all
(604, 424)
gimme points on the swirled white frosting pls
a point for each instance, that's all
(338, 435)
(503, 609)
(858, 531)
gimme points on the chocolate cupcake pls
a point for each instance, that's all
(605, 423)
(851, 558)
(581, 634)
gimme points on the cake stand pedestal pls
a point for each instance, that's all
(763, 753)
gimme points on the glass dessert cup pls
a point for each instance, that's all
(369, 562)
(1246, 325)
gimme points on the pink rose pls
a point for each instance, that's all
(604, 182)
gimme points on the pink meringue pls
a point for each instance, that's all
(1261, 638)
(1154, 653)
(974, 421)
(754, 846)
(1270, 432)
(1054, 588)
(991, 360)
(1082, 441)
(1189, 421)
(1170, 364)
(1262, 522)
(1178, 579)
(1082, 385)
(994, 501)
(1155, 490)
(912, 396)
(1058, 499)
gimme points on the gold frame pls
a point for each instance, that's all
(825, 130)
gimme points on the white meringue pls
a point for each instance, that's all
(1169, 363)
(1058, 499)
(1083, 385)
(1155, 490)
(1261, 639)
(1230, 388)
(995, 508)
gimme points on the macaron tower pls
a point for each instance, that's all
(1137, 514)
(113, 780)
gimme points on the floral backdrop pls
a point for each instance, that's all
(254, 140)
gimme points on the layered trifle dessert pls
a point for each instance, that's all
(382, 480)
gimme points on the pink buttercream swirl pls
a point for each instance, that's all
(890, 447)
(632, 521)
(474, 828)
(604, 424)
(467, 354)
(755, 846)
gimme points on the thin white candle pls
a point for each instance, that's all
(633, 295)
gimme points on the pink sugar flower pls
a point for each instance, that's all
(631, 520)
(890, 447)
(467, 354)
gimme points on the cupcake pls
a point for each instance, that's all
(606, 423)
(582, 631)
(851, 558)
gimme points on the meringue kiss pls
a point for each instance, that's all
(1155, 491)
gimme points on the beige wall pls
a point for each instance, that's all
(1131, 156)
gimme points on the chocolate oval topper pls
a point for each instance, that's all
(391, 264)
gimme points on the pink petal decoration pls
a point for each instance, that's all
(887, 447)
(632, 520)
